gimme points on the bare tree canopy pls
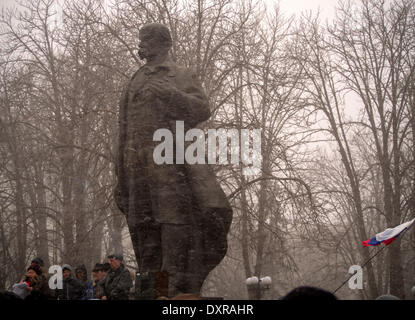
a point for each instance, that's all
(334, 100)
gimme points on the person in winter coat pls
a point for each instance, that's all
(117, 282)
(37, 284)
(100, 284)
(72, 289)
(89, 291)
(98, 275)
(81, 274)
(95, 279)
(87, 286)
(38, 262)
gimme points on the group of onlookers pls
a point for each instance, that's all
(110, 281)
(113, 281)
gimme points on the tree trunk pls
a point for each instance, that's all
(116, 232)
(67, 208)
(81, 217)
(41, 217)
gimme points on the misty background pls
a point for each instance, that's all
(334, 95)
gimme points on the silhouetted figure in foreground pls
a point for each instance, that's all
(309, 293)
(9, 296)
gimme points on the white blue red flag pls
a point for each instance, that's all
(389, 235)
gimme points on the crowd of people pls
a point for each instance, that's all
(110, 281)
(113, 281)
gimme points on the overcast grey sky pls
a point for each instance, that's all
(7, 2)
(287, 6)
(326, 7)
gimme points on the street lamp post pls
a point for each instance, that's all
(258, 286)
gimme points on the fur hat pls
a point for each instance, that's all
(36, 269)
(116, 256)
(39, 261)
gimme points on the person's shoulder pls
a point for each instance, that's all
(37, 279)
(44, 277)
(125, 270)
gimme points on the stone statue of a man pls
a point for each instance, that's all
(177, 214)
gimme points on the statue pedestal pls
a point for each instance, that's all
(151, 285)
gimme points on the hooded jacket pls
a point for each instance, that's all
(82, 268)
(87, 286)
(72, 288)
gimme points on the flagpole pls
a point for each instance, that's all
(361, 267)
(364, 264)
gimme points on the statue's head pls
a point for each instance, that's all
(155, 40)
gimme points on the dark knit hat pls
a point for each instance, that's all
(116, 256)
(81, 268)
(39, 261)
(35, 269)
(98, 267)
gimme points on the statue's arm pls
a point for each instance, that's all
(122, 125)
(191, 102)
(121, 198)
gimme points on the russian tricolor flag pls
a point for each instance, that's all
(389, 235)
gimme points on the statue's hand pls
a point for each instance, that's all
(162, 89)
